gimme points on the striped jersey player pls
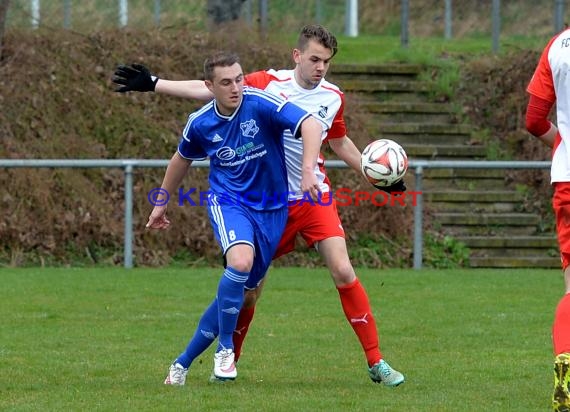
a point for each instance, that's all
(248, 233)
(550, 84)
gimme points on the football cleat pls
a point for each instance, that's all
(561, 395)
(383, 373)
(176, 375)
(224, 365)
(214, 379)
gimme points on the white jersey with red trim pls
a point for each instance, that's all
(325, 102)
(551, 82)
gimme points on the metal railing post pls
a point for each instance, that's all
(67, 14)
(418, 220)
(157, 11)
(128, 246)
(496, 24)
(123, 13)
(558, 15)
(404, 23)
(129, 164)
(448, 20)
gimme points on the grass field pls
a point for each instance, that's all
(102, 339)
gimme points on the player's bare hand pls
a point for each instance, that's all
(158, 219)
(310, 185)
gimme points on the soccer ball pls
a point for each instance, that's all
(383, 162)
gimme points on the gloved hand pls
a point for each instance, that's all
(399, 186)
(134, 78)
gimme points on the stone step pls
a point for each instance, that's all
(374, 86)
(481, 230)
(378, 69)
(432, 151)
(464, 173)
(459, 224)
(417, 129)
(511, 246)
(407, 107)
(404, 96)
(425, 138)
(393, 71)
(487, 219)
(473, 207)
(403, 112)
(515, 262)
(471, 201)
(506, 242)
(469, 196)
(457, 184)
(463, 179)
(423, 133)
(515, 252)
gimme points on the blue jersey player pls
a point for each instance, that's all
(240, 131)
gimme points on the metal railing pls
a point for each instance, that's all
(128, 165)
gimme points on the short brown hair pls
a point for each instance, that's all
(219, 59)
(318, 33)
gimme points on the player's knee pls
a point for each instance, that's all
(241, 263)
(342, 272)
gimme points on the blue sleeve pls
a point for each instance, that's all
(295, 116)
(189, 147)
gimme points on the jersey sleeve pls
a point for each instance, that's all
(293, 116)
(258, 79)
(541, 84)
(188, 147)
(338, 126)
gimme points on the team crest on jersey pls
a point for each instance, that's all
(249, 128)
(323, 111)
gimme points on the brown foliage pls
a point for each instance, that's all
(493, 95)
(57, 101)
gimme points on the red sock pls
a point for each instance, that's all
(357, 310)
(244, 319)
(561, 326)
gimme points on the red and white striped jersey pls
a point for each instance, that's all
(325, 102)
(551, 82)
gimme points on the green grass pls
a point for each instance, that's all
(431, 51)
(102, 339)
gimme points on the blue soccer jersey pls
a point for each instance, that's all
(247, 161)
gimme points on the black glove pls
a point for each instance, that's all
(399, 186)
(134, 78)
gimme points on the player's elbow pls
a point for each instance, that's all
(536, 119)
(536, 125)
(311, 127)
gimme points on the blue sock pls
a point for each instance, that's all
(205, 334)
(230, 300)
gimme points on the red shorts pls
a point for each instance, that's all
(314, 221)
(561, 205)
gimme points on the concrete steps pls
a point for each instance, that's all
(464, 179)
(474, 201)
(428, 150)
(512, 246)
(534, 261)
(387, 71)
(438, 134)
(490, 224)
(474, 206)
(414, 112)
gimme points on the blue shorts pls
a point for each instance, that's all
(234, 224)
